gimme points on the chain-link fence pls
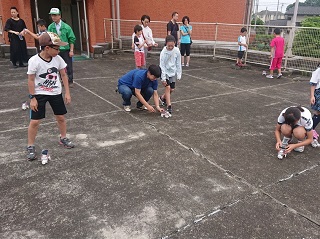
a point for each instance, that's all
(302, 50)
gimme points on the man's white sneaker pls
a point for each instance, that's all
(315, 143)
(127, 108)
(269, 76)
(299, 149)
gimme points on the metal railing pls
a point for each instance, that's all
(220, 41)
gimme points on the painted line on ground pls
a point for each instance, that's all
(9, 110)
(94, 78)
(100, 97)
(68, 119)
(241, 90)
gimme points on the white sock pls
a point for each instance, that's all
(285, 140)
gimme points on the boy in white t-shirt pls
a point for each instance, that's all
(138, 43)
(242, 42)
(44, 71)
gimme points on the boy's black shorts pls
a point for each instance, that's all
(240, 54)
(171, 84)
(56, 102)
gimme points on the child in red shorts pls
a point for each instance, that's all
(277, 52)
(138, 43)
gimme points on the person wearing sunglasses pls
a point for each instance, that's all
(44, 72)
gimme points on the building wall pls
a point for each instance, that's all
(97, 10)
(24, 8)
(227, 11)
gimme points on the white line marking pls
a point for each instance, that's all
(95, 78)
(242, 90)
(272, 104)
(10, 110)
(100, 97)
(68, 119)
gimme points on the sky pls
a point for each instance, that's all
(272, 4)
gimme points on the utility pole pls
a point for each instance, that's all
(291, 36)
(255, 15)
(277, 10)
(265, 19)
(249, 11)
(282, 4)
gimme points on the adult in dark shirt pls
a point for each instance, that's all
(18, 48)
(173, 28)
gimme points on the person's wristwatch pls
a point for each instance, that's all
(31, 96)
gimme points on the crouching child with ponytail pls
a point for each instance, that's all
(293, 122)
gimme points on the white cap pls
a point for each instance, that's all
(55, 11)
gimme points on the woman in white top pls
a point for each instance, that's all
(147, 34)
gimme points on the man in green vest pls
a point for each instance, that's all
(66, 35)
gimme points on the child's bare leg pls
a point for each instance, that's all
(32, 131)
(271, 72)
(279, 71)
(62, 124)
(182, 60)
(167, 93)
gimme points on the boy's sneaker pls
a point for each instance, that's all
(66, 143)
(187, 65)
(162, 101)
(279, 76)
(269, 76)
(169, 109)
(264, 73)
(45, 157)
(31, 153)
(315, 143)
(127, 108)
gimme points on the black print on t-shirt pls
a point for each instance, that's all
(50, 77)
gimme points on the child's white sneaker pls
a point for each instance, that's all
(269, 76)
(299, 149)
(315, 143)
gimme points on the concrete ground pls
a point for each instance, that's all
(210, 171)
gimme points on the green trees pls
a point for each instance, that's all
(306, 3)
(307, 41)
